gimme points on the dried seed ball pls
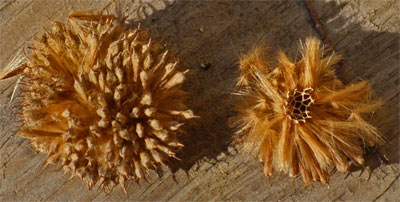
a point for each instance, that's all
(103, 99)
(300, 118)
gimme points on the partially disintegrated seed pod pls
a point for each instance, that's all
(300, 118)
(103, 99)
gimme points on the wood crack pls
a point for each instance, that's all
(387, 188)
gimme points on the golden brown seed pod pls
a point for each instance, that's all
(102, 99)
(299, 117)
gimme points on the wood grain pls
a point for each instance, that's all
(366, 33)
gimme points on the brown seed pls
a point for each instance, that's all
(294, 133)
(90, 104)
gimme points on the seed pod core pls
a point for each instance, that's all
(298, 105)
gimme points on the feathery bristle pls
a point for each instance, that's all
(103, 100)
(300, 118)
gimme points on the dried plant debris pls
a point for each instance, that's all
(102, 99)
(299, 117)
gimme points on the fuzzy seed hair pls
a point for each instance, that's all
(299, 117)
(103, 99)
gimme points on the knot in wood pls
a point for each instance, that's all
(298, 105)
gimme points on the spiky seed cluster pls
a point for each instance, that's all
(103, 99)
(299, 117)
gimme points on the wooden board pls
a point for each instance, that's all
(365, 32)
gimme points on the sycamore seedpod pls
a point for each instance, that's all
(102, 99)
(299, 117)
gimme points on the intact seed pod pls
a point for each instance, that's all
(103, 100)
(299, 117)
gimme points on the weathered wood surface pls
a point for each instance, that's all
(365, 32)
